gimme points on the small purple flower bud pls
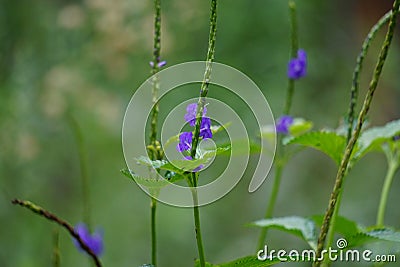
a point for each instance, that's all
(151, 64)
(396, 138)
(94, 241)
(162, 64)
(185, 141)
(283, 124)
(297, 67)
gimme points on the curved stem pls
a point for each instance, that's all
(392, 168)
(48, 215)
(357, 70)
(350, 146)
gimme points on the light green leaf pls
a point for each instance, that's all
(373, 138)
(299, 226)
(251, 261)
(330, 143)
(374, 235)
(147, 182)
(300, 126)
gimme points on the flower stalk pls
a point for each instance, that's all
(350, 146)
(280, 153)
(50, 216)
(196, 136)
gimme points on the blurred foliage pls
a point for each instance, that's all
(85, 58)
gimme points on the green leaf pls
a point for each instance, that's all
(147, 182)
(248, 261)
(330, 143)
(299, 226)
(300, 126)
(374, 235)
(373, 138)
(343, 226)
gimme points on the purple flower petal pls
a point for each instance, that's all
(94, 242)
(185, 141)
(297, 67)
(191, 111)
(283, 124)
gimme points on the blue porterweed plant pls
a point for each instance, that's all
(345, 145)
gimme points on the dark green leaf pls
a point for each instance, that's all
(344, 226)
(374, 235)
(330, 143)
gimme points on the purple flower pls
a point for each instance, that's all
(283, 124)
(190, 116)
(159, 64)
(205, 128)
(201, 166)
(297, 67)
(185, 141)
(396, 138)
(94, 241)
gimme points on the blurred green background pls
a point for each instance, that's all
(86, 58)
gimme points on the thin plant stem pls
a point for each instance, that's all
(272, 201)
(353, 101)
(50, 216)
(293, 53)
(393, 165)
(196, 136)
(153, 208)
(56, 248)
(280, 152)
(350, 146)
(83, 169)
(155, 151)
(357, 70)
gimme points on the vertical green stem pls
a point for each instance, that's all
(83, 169)
(155, 151)
(272, 201)
(350, 146)
(280, 153)
(393, 165)
(153, 207)
(293, 53)
(56, 248)
(196, 135)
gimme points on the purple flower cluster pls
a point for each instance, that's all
(297, 67)
(185, 138)
(283, 124)
(94, 241)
